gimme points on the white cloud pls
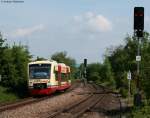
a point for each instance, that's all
(93, 22)
(22, 32)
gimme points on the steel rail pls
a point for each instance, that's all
(55, 114)
(78, 108)
(97, 100)
(21, 103)
(26, 101)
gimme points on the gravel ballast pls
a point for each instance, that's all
(44, 107)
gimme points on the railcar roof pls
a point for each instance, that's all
(43, 62)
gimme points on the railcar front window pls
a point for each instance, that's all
(39, 71)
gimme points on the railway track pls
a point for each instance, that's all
(80, 107)
(30, 100)
(21, 103)
(94, 97)
(77, 109)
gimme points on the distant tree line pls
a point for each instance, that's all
(101, 73)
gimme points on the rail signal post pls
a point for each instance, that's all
(85, 71)
(138, 32)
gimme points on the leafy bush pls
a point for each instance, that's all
(6, 96)
(13, 67)
(123, 92)
(144, 112)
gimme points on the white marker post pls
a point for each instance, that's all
(129, 78)
(129, 85)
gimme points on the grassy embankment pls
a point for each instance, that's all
(6, 96)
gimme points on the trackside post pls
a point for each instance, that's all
(85, 72)
(138, 32)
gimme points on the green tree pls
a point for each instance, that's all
(8, 69)
(2, 48)
(13, 66)
(145, 64)
(40, 58)
(101, 73)
(93, 72)
(21, 58)
(122, 59)
(109, 76)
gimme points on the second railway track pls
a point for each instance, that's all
(80, 107)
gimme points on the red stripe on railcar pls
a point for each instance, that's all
(46, 91)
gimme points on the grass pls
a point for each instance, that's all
(142, 111)
(6, 96)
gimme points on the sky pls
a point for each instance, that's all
(82, 28)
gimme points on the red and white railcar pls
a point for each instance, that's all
(46, 77)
